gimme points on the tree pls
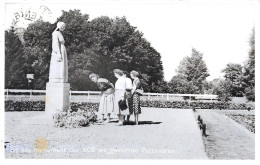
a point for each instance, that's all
(191, 74)
(37, 51)
(100, 46)
(249, 70)
(15, 68)
(223, 90)
(233, 72)
(208, 87)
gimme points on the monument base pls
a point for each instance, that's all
(57, 97)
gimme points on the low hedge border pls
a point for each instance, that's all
(198, 105)
(19, 105)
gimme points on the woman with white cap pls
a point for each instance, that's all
(59, 62)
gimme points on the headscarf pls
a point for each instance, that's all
(59, 25)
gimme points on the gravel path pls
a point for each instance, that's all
(162, 134)
(226, 138)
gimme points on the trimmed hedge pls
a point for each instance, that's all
(201, 105)
(19, 105)
(83, 106)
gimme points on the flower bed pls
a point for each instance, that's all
(18, 105)
(246, 120)
(74, 119)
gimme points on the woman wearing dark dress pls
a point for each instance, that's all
(135, 108)
(106, 105)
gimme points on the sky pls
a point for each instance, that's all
(220, 30)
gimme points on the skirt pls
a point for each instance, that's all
(128, 96)
(106, 105)
(136, 107)
(59, 70)
(119, 93)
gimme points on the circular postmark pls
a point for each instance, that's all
(29, 14)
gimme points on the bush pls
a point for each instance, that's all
(84, 106)
(250, 93)
(74, 119)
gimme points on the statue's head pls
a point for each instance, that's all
(61, 26)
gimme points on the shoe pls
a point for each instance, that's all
(107, 121)
(119, 124)
(100, 121)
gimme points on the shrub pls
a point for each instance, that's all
(74, 119)
(84, 106)
(187, 105)
(19, 105)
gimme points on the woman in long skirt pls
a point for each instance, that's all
(120, 89)
(136, 107)
(106, 105)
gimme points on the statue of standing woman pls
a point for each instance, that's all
(59, 62)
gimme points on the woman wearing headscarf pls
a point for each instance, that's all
(59, 62)
(106, 105)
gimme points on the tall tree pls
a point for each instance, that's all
(191, 74)
(15, 68)
(233, 72)
(249, 70)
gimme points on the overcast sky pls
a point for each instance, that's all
(218, 30)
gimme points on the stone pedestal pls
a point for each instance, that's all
(57, 97)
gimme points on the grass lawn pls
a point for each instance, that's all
(227, 138)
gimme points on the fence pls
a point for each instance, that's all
(95, 95)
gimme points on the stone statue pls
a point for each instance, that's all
(58, 88)
(59, 62)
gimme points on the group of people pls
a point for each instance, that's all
(124, 89)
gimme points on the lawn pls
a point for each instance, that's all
(227, 138)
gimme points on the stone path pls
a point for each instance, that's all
(162, 134)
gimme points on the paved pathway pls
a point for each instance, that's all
(162, 134)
